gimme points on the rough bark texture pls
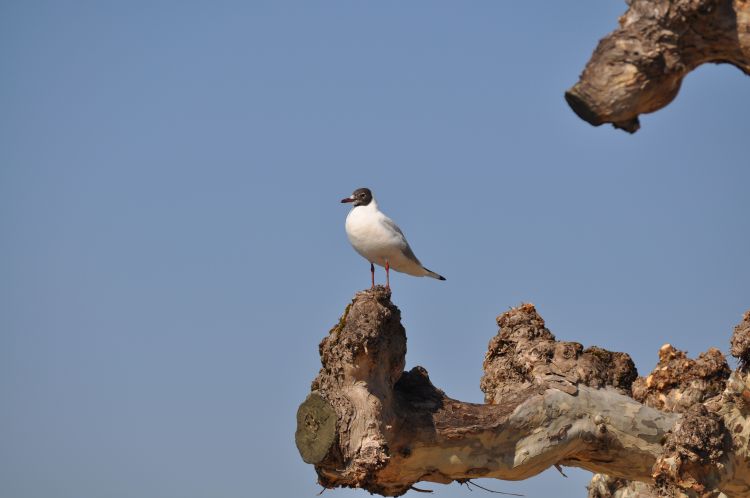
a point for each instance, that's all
(741, 343)
(638, 68)
(604, 486)
(368, 424)
(525, 353)
(680, 384)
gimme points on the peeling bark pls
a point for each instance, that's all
(680, 384)
(638, 68)
(368, 424)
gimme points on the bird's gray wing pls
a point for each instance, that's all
(389, 223)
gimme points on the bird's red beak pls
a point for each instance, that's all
(348, 199)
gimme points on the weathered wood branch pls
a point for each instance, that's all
(679, 384)
(369, 424)
(638, 68)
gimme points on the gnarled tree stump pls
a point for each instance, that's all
(638, 68)
(369, 424)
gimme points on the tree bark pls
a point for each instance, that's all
(678, 384)
(638, 68)
(368, 424)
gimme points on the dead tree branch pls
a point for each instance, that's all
(638, 68)
(369, 424)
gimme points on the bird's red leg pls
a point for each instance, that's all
(387, 276)
(372, 274)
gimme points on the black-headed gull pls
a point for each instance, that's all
(379, 240)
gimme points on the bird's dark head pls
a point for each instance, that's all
(360, 197)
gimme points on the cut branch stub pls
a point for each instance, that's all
(316, 428)
(362, 358)
(639, 67)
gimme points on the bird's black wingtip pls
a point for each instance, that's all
(432, 274)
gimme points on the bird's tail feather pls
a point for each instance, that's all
(432, 274)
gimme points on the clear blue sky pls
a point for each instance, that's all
(173, 249)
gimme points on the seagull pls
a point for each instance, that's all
(379, 240)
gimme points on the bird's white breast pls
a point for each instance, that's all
(370, 237)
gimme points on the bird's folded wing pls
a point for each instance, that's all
(406, 249)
